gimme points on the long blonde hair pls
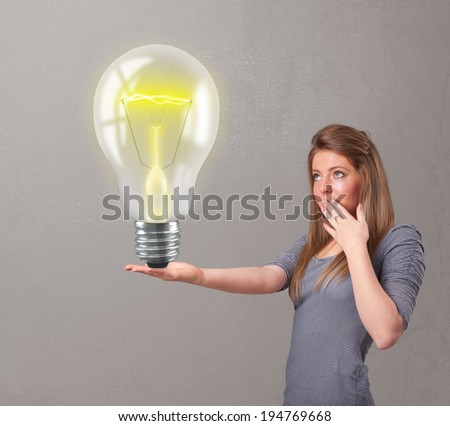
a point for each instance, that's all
(374, 195)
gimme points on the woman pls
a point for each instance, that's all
(353, 279)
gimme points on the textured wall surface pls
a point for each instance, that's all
(74, 328)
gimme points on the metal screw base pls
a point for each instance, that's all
(157, 244)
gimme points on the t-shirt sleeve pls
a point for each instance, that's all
(288, 260)
(403, 268)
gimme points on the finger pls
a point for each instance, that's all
(332, 214)
(144, 269)
(167, 274)
(135, 268)
(360, 213)
(329, 211)
(338, 210)
(329, 229)
(130, 266)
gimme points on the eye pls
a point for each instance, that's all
(338, 174)
(315, 177)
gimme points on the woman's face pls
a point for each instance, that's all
(335, 179)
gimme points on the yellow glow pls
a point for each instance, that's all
(155, 145)
(156, 123)
(156, 183)
(157, 99)
(157, 186)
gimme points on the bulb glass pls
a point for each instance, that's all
(156, 116)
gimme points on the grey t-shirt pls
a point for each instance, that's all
(329, 342)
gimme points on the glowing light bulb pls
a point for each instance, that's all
(156, 115)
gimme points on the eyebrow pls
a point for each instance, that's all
(333, 168)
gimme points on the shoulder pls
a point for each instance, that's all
(296, 247)
(402, 234)
(301, 241)
(401, 240)
(292, 253)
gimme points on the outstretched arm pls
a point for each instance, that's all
(247, 280)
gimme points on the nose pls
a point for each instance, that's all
(325, 193)
(326, 188)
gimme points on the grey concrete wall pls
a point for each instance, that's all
(75, 328)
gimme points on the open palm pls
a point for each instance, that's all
(175, 271)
